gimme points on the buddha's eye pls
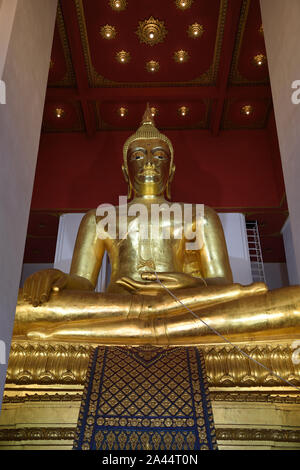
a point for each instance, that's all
(137, 157)
(159, 157)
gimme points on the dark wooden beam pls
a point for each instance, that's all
(157, 93)
(73, 32)
(231, 26)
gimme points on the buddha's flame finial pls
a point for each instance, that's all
(148, 116)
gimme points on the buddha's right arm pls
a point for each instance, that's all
(88, 252)
(86, 264)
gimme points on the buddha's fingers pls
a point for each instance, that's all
(60, 281)
(36, 291)
(255, 289)
(45, 292)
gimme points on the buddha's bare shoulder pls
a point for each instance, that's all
(208, 212)
(89, 218)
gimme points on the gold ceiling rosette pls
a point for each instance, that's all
(181, 56)
(152, 66)
(118, 5)
(151, 31)
(195, 30)
(108, 32)
(183, 4)
(123, 57)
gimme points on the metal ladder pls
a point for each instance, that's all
(257, 265)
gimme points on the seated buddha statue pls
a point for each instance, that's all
(160, 291)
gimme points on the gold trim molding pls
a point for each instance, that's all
(216, 396)
(42, 397)
(241, 434)
(42, 363)
(222, 434)
(254, 397)
(37, 434)
(69, 79)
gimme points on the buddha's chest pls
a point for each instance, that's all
(148, 253)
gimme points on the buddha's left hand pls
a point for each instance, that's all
(151, 284)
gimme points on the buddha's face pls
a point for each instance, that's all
(148, 163)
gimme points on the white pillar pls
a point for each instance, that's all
(281, 19)
(290, 253)
(25, 74)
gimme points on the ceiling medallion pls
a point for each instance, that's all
(59, 112)
(108, 32)
(118, 5)
(123, 57)
(123, 111)
(183, 111)
(259, 60)
(195, 30)
(247, 110)
(261, 29)
(183, 4)
(152, 66)
(151, 31)
(181, 56)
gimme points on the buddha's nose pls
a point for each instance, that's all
(149, 165)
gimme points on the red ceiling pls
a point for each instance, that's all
(220, 77)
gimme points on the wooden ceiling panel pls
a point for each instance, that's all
(246, 114)
(203, 52)
(63, 116)
(249, 44)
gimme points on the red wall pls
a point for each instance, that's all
(235, 169)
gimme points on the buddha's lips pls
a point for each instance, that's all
(149, 172)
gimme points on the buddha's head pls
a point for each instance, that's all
(148, 160)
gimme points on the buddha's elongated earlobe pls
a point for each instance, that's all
(168, 188)
(129, 194)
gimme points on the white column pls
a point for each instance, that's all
(290, 253)
(281, 19)
(25, 74)
(235, 232)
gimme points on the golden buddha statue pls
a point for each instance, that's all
(155, 284)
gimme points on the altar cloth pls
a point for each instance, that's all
(145, 398)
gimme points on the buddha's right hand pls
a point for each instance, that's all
(38, 286)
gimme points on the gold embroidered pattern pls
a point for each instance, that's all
(146, 398)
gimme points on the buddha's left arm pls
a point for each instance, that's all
(210, 261)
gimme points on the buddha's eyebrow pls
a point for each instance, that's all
(138, 149)
(159, 148)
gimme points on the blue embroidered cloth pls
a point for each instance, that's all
(146, 398)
